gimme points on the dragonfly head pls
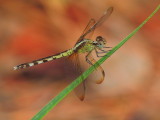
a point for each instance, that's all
(100, 42)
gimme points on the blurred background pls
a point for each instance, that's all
(31, 29)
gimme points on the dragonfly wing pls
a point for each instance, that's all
(80, 65)
(105, 16)
(80, 89)
(90, 28)
(99, 74)
(89, 25)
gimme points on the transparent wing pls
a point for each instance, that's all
(99, 73)
(89, 25)
(90, 28)
(80, 65)
(81, 89)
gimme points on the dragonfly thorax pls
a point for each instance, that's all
(100, 42)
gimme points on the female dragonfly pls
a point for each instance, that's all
(83, 45)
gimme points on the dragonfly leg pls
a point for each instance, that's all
(88, 61)
(91, 60)
(103, 51)
(98, 53)
(107, 47)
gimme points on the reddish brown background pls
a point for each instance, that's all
(30, 29)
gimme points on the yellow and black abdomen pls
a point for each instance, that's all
(46, 59)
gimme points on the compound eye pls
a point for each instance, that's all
(99, 38)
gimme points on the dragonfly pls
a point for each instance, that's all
(84, 45)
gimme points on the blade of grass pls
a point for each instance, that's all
(81, 78)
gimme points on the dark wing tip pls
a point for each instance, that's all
(81, 98)
(109, 10)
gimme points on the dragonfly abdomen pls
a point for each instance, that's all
(43, 60)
